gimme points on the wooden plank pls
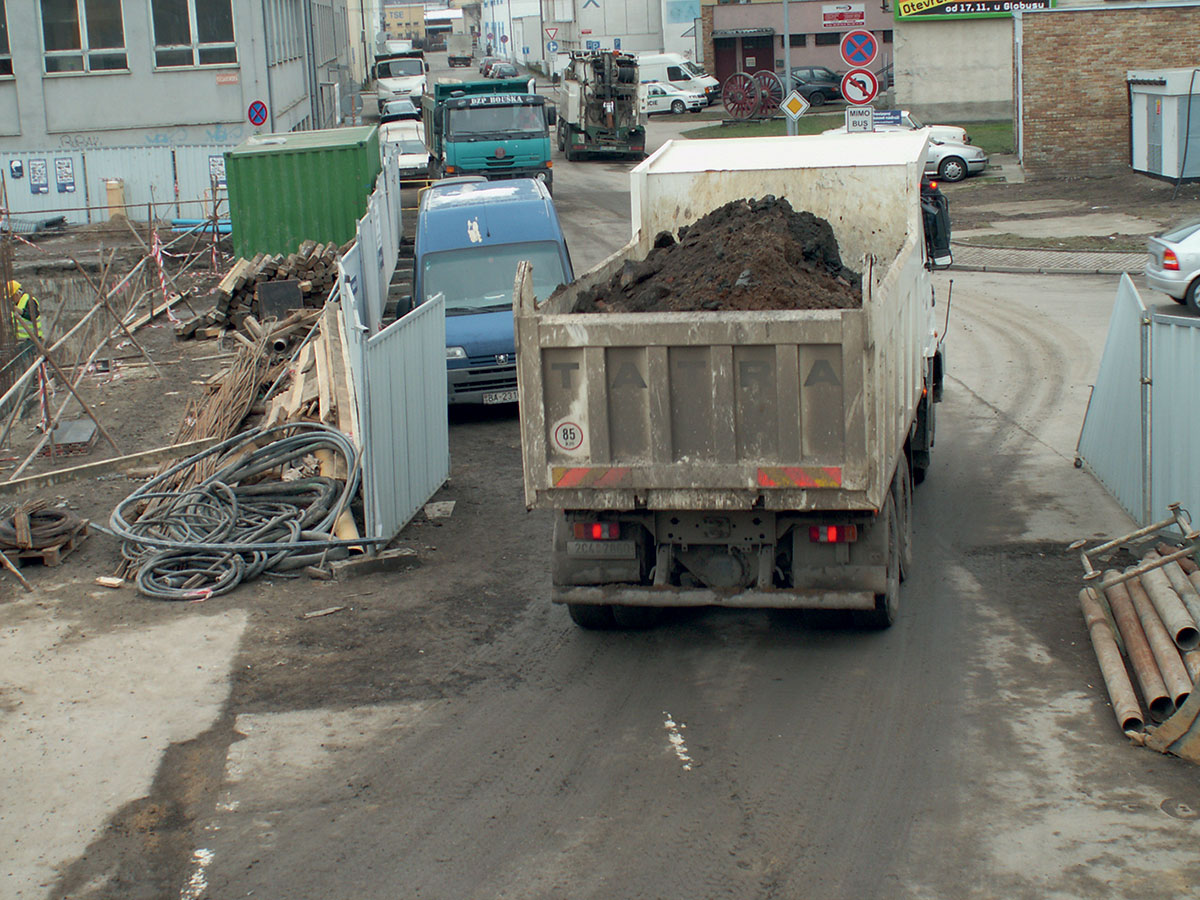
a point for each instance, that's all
(87, 470)
(295, 397)
(324, 394)
(229, 283)
(337, 368)
(351, 390)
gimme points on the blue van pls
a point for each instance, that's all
(471, 233)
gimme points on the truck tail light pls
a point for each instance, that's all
(597, 531)
(833, 534)
(1170, 260)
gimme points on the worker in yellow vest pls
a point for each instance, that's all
(29, 322)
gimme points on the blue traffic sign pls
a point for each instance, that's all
(552, 46)
(859, 48)
(593, 45)
(887, 117)
(257, 113)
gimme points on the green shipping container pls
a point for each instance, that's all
(285, 189)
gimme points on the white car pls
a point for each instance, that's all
(909, 122)
(946, 159)
(406, 138)
(662, 97)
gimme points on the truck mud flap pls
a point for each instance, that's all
(629, 595)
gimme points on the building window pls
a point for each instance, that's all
(887, 37)
(828, 39)
(193, 33)
(83, 35)
(5, 57)
(796, 40)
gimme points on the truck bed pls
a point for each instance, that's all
(782, 410)
(717, 410)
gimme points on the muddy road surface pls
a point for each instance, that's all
(441, 731)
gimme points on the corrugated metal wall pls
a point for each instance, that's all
(1175, 428)
(399, 372)
(1112, 441)
(406, 427)
(43, 190)
(175, 179)
(1141, 429)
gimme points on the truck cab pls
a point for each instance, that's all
(496, 128)
(400, 76)
(471, 234)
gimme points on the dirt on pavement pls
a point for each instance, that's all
(730, 259)
(982, 202)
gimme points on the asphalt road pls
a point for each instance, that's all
(449, 733)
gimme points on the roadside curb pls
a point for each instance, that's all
(1011, 260)
(1035, 270)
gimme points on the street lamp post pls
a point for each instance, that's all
(787, 64)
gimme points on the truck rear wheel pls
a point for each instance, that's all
(593, 617)
(887, 605)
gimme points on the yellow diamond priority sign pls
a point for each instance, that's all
(794, 105)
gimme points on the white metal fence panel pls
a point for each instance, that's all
(1113, 440)
(146, 174)
(194, 168)
(52, 183)
(406, 430)
(350, 286)
(73, 183)
(399, 372)
(1175, 429)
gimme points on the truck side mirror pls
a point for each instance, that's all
(551, 115)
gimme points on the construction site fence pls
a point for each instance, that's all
(1140, 434)
(86, 186)
(399, 370)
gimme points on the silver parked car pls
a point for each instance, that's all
(954, 161)
(946, 160)
(1174, 264)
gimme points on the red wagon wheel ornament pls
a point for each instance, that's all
(740, 95)
(770, 92)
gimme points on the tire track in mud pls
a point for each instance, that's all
(1022, 354)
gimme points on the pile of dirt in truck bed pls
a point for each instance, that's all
(746, 255)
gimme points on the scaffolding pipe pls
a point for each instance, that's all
(1141, 658)
(1116, 679)
(1166, 655)
(1170, 607)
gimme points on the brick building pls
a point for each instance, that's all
(1072, 100)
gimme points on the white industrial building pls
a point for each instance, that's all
(538, 32)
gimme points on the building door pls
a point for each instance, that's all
(758, 53)
(725, 63)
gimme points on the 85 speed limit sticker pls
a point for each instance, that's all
(568, 436)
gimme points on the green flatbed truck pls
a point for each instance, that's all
(497, 128)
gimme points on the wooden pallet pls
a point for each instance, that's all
(48, 556)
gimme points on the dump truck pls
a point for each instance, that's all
(459, 48)
(740, 458)
(400, 76)
(601, 109)
(498, 128)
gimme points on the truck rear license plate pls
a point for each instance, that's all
(500, 397)
(607, 549)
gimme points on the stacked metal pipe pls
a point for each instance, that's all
(1144, 623)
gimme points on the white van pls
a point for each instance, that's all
(676, 69)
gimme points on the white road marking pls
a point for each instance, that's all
(197, 885)
(675, 736)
